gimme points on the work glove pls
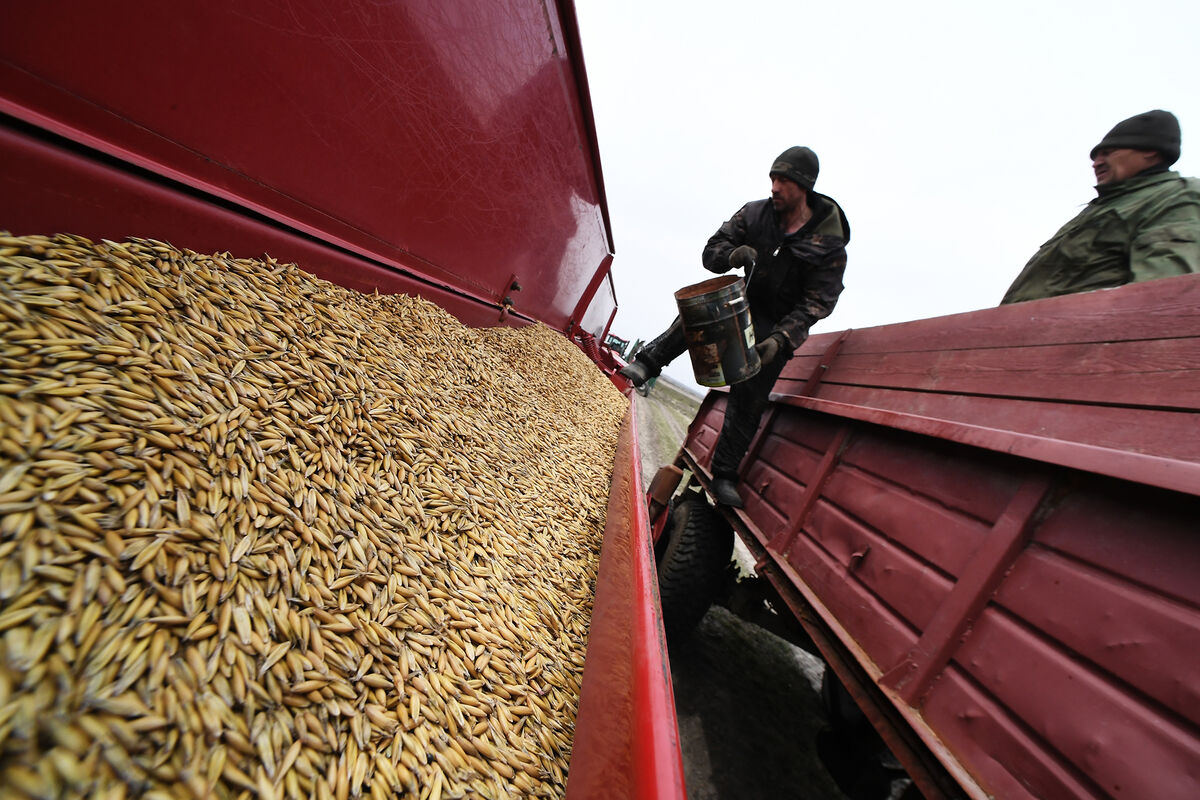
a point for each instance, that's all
(743, 256)
(770, 348)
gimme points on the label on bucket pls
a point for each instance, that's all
(748, 332)
(706, 362)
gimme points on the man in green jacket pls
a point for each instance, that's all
(1144, 224)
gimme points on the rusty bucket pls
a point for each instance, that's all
(718, 331)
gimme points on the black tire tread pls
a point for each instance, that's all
(690, 571)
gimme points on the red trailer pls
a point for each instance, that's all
(987, 523)
(444, 149)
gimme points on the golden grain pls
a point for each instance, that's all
(261, 534)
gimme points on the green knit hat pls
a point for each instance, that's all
(797, 164)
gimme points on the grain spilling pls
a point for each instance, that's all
(264, 536)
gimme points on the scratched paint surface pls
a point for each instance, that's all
(442, 135)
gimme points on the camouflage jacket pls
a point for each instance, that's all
(1138, 229)
(798, 277)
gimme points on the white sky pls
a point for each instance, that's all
(954, 134)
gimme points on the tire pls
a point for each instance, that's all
(692, 566)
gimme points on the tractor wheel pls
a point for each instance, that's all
(692, 563)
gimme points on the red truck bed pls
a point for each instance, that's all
(444, 149)
(447, 143)
(988, 523)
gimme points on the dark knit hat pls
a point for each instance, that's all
(1154, 130)
(797, 164)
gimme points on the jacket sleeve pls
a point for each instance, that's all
(1168, 244)
(731, 234)
(820, 289)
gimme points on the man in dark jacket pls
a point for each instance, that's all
(793, 248)
(1144, 224)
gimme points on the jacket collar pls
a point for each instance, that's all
(827, 219)
(1106, 191)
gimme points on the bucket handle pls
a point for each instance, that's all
(735, 301)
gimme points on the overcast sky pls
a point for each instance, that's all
(954, 134)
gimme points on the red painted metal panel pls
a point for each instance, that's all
(1008, 759)
(1135, 312)
(1136, 430)
(1129, 748)
(786, 468)
(978, 581)
(1125, 629)
(1128, 460)
(902, 582)
(1032, 619)
(1158, 373)
(599, 305)
(1020, 727)
(814, 433)
(947, 539)
(769, 519)
(823, 563)
(52, 189)
(450, 139)
(960, 480)
(1102, 381)
(626, 743)
(1145, 537)
(705, 427)
(874, 483)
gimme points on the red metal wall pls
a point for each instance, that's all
(436, 147)
(626, 740)
(994, 517)
(450, 140)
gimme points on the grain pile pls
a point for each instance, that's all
(264, 536)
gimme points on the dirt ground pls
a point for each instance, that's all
(747, 701)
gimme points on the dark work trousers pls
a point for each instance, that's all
(747, 400)
(668, 346)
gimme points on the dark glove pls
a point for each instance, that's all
(743, 256)
(770, 348)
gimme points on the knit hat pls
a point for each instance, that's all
(797, 164)
(1153, 130)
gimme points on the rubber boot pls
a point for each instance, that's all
(638, 372)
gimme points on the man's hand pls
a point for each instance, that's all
(769, 348)
(743, 256)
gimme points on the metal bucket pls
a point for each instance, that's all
(717, 328)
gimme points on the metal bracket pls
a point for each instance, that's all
(818, 373)
(506, 292)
